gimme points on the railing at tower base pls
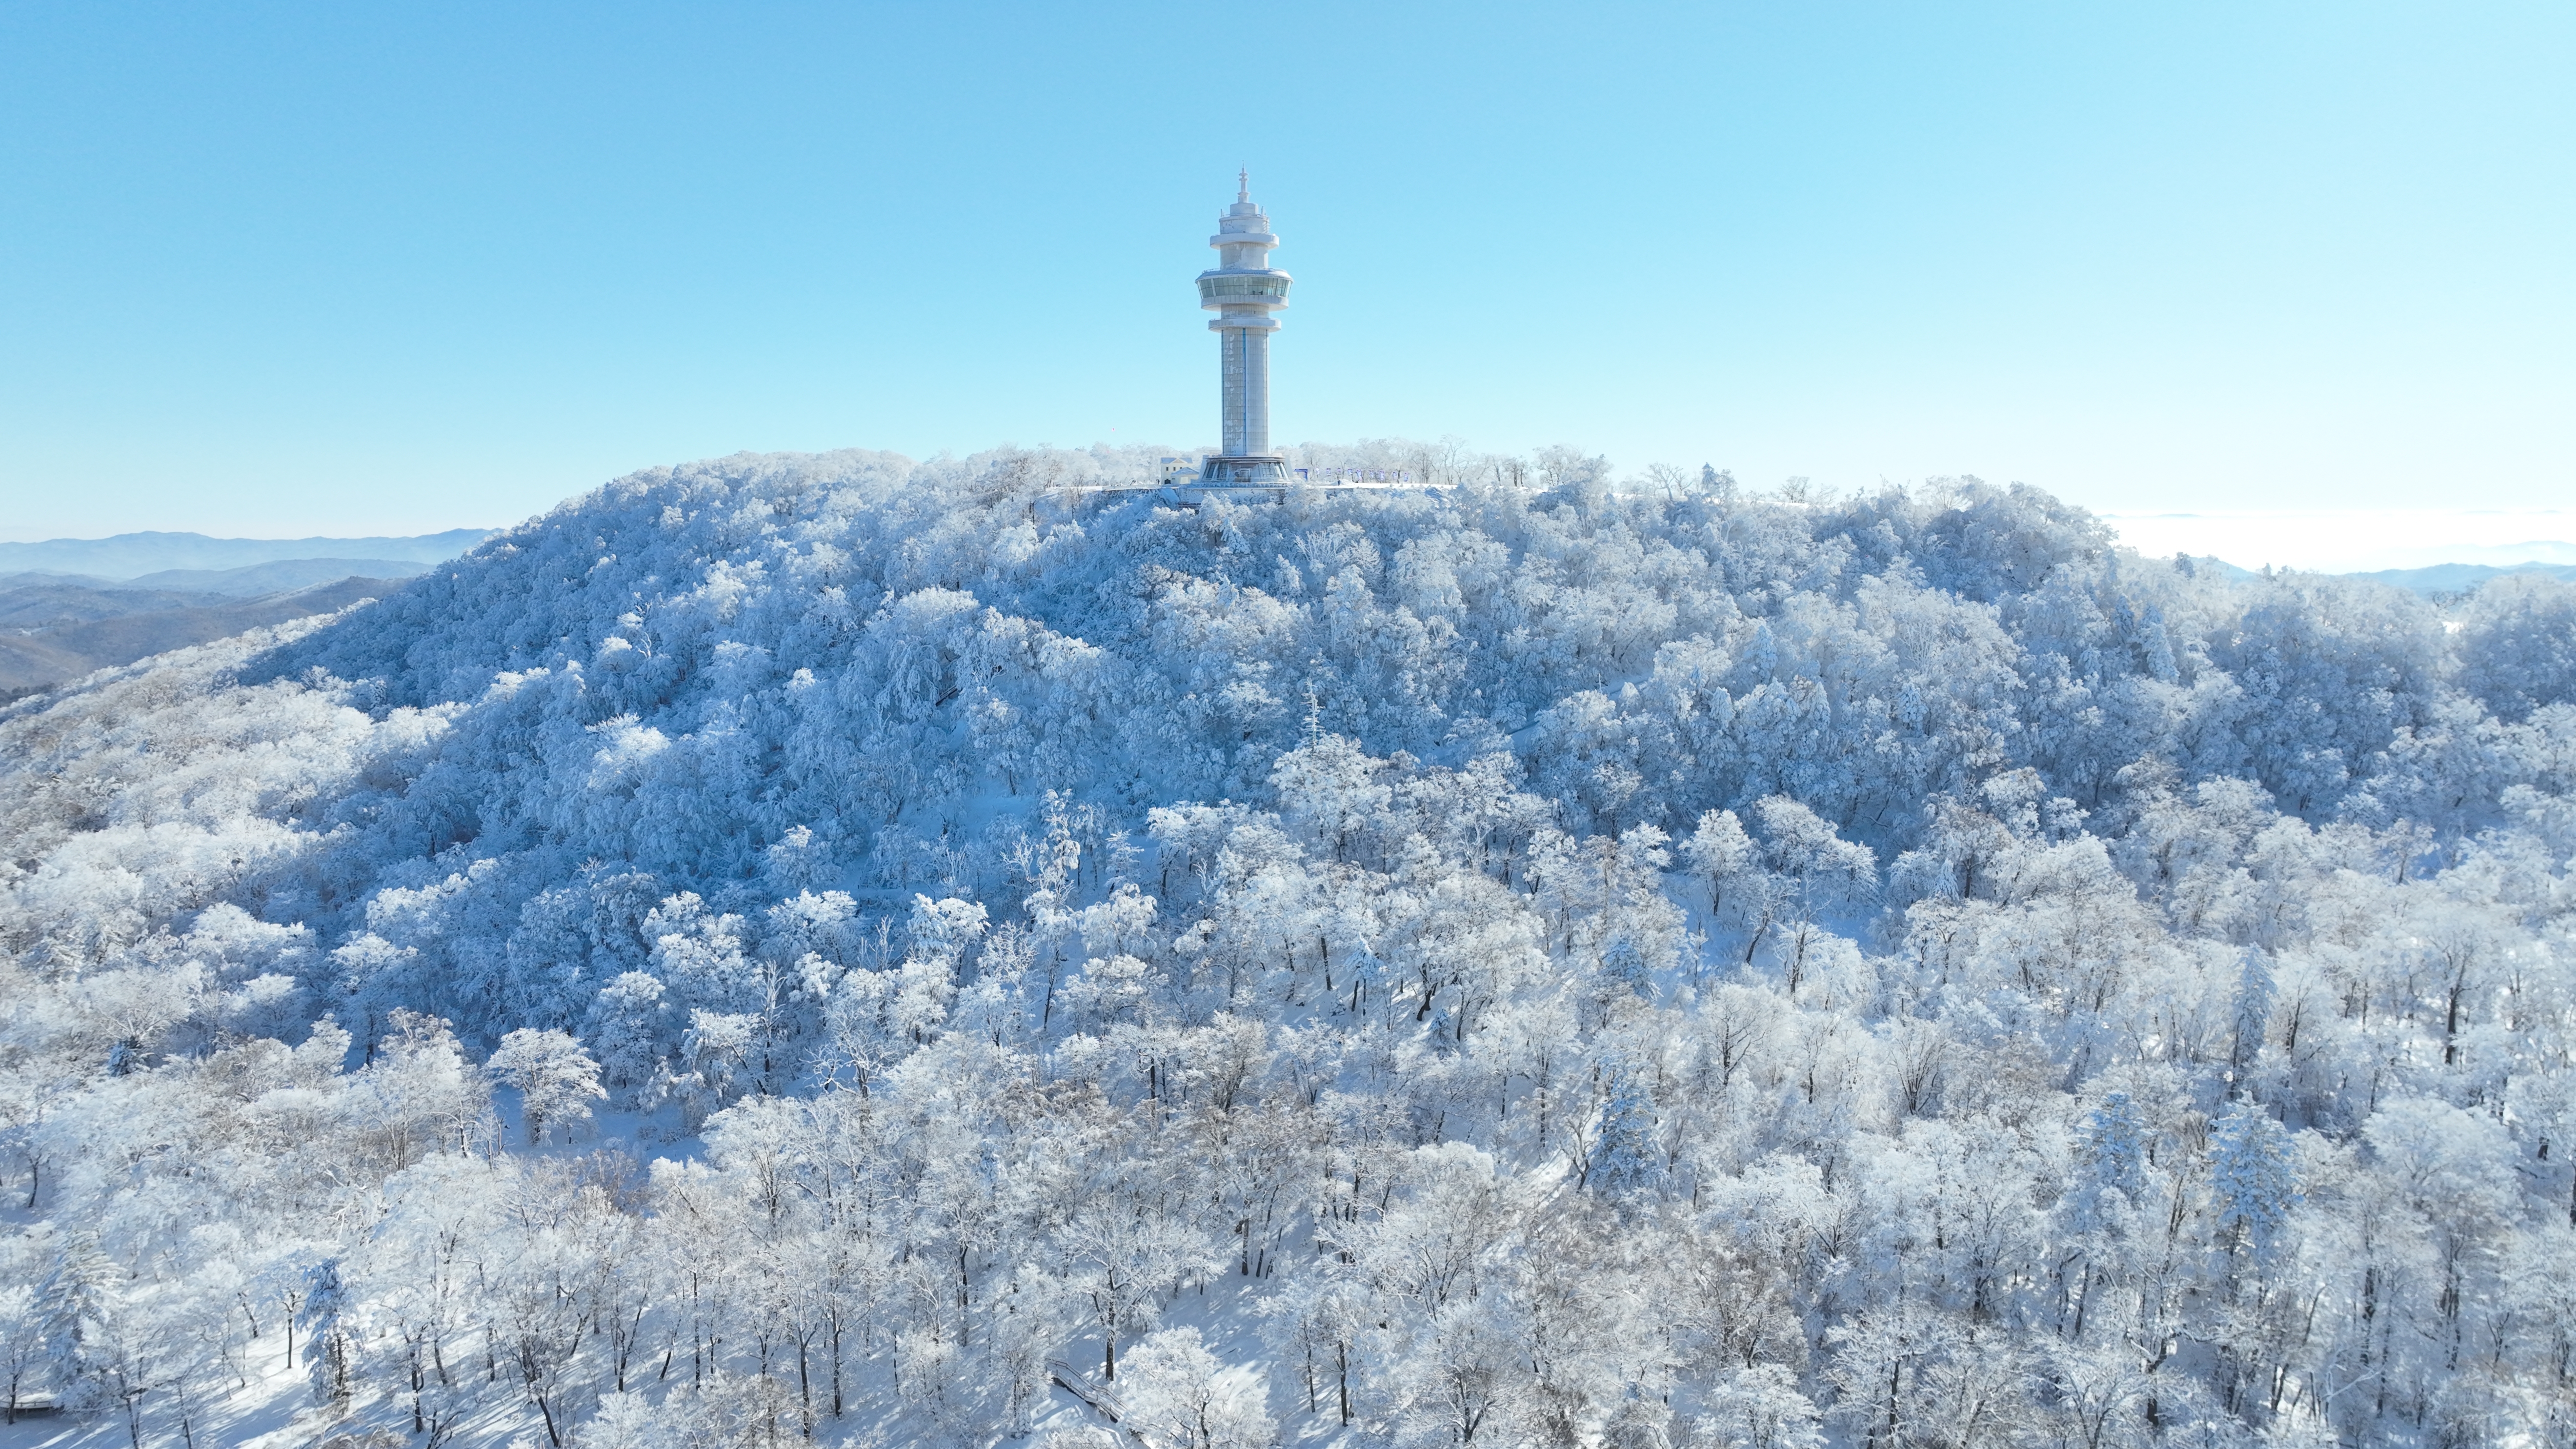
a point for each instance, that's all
(1273, 472)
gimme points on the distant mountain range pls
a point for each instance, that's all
(72, 605)
(285, 573)
(55, 628)
(2454, 578)
(129, 557)
(2441, 578)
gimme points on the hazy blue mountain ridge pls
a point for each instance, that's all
(278, 576)
(2459, 578)
(56, 627)
(129, 556)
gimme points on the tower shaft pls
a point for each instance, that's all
(1246, 378)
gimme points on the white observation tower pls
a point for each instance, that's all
(1243, 291)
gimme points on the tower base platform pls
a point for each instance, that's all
(1245, 471)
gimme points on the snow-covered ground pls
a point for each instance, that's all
(275, 1410)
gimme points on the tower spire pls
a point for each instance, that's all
(1243, 291)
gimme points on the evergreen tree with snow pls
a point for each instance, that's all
(2253, 1182)
(80, 1317)
(323, 1316)
(1625, 1162)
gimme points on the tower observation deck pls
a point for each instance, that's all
(1243, 291)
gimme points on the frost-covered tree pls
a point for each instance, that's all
(2253, 1182)
(555, 1078)
(1174, 1392)
(323, 1315)
(1551, 960)
(1625, 1158)
(82, 1319)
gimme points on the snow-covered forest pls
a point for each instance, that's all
(839, 948)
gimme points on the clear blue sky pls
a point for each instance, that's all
(288, 269)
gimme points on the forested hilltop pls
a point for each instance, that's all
(828, 946)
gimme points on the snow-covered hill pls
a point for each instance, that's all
(1531, 961)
